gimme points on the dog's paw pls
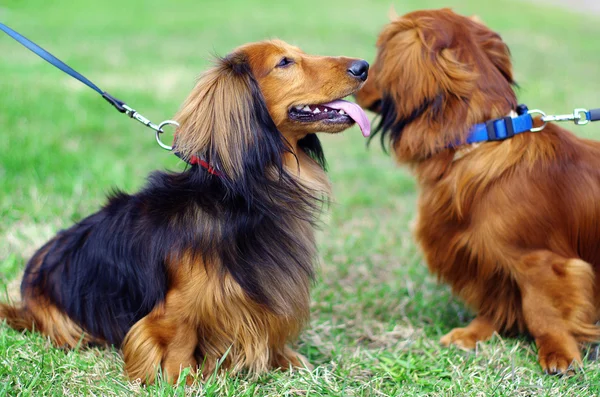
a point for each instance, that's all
(558, 354)
(460, 337)
(555, 363)
(558, 361)
(290, 358)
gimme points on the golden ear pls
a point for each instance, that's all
(225, 121)
(392, 14)
(216, 120)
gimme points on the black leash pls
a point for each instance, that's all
(118, 104)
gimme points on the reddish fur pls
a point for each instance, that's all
(511, 226)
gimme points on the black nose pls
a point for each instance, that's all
(359, 69)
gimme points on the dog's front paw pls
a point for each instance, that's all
(556, 363)
(460, 337)
(480, 329)
(290, 358)
(558, 357)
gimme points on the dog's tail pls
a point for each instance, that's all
(17, 317)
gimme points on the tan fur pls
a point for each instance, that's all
(216, 316)
(204, 125)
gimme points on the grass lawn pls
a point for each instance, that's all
(377, 314)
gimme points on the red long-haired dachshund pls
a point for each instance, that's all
(514, 225)
(215, 262)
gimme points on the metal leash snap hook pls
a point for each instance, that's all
(581, 116)
(160, 131)
(541, 127)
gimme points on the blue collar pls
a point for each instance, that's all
(507, 127)
(500, 129)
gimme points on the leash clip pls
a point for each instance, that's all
(579, 117)
(579, 120)
(157, 128)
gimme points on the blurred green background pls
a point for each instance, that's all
(377, 314)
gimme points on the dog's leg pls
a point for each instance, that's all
(162, 339)
(558, 308)
(247, 346)
(180, 353)
(479, 330)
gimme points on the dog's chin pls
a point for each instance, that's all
(325, 126)
(333, 127)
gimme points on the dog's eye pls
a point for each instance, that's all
(285, 61)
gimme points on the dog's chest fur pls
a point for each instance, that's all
(456, 244)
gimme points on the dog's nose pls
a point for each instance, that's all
(359, 69)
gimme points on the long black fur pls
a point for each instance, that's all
(110, 269)
(390, 127)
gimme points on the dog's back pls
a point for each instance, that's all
(107, 271)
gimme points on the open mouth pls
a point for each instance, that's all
(336, 112)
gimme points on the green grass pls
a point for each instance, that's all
(377, 314)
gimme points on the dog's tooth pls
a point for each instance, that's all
(316, 110)
(298, 107)
(342, 111)
(306, 108)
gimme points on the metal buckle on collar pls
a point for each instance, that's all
(493, 134)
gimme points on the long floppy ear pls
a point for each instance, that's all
(225, 121)
(421, 65)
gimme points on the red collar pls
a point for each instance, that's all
(197, 160)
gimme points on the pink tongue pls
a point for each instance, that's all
(355, 112)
